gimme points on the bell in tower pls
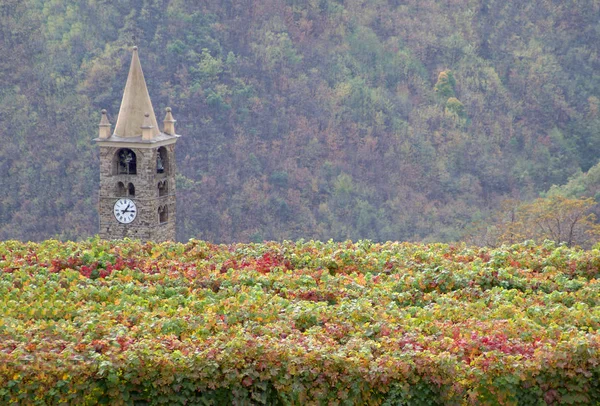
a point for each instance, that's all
(137, 167)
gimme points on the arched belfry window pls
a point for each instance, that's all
(121, 191)
(162, 160)
(163, 188)
(125, 162)
(163, 214)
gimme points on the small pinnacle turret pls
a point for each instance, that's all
(147, 128)
(169, 123)
(104, 126)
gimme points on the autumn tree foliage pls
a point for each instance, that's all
(445, 85)
(556, 218)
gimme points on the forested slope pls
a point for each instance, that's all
(388, 120)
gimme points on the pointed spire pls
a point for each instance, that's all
(169, 123)
(147, 128)
(135, 104)
(104, 126)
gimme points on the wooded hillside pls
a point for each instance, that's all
(379, 119)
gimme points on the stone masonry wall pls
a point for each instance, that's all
(146, 225)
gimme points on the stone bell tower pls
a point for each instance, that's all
(137, 167)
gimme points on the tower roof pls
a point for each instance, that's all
(135, 104)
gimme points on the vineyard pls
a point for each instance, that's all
(301, 323)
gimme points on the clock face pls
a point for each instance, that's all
(125, 211)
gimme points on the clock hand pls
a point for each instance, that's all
(127, 209)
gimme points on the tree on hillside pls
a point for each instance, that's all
(556, 218)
